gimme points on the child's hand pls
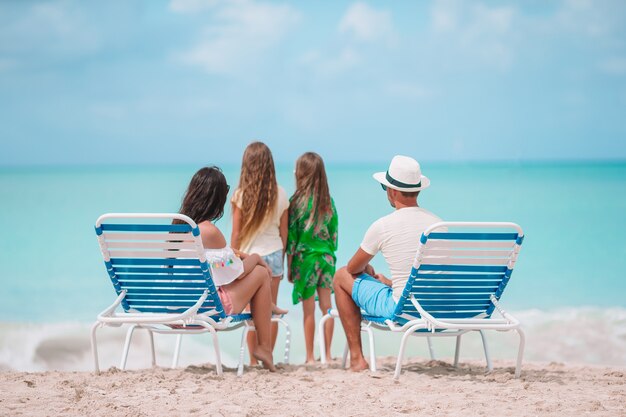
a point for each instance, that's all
(369, 270)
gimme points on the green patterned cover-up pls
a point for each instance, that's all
(313, 252)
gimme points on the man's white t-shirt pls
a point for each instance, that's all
(397, 236)
(267, 239)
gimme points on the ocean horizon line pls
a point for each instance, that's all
(280, 164)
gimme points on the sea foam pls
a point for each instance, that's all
(586, 335)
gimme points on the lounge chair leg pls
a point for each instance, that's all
(405, 337)
(242, 349)
(457, 351)
(179, 340)
(322, 338)
(151, 336)
(487, 357)
(431, 351)
(520, 352)
(94, 347)
(370, 336)
(218, 357)
(344, 360)
(287, 337)
(129, 337)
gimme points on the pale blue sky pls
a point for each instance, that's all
(87, 82)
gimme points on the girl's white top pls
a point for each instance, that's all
(267, 239)
(225, 265)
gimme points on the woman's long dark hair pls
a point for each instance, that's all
(206, 195)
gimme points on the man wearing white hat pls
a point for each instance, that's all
(396, 236)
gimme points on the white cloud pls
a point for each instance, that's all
(7, 64)
(482, 31)
(347, 59)
(614, 66)
(241, 32)
(408, 90)
(192, 6)
(367, 24)
(49, 29)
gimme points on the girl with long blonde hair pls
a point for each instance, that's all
(260, 214)
(311, 245)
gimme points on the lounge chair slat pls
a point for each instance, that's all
(455, 290)
(174, 237)
(446, 276)
(161, 284)
(423, 296)
(462, 268)
(464, 253)
(164, 304)
(459, 302)
(158, 270)
(134, 297)
(175, 228)
(174, 310)
(455, 283)
(164, 291)
(433, 308)
(435, 260)
(470, 244)
(161, 277)
(153, 254)
(472, 236)
(172, 261)
(152, 245)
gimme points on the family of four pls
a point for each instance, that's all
(267, 226)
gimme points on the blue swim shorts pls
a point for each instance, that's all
(373, 296)
(275, 261)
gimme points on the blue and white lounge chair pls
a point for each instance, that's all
(163, 283)
(458, 276)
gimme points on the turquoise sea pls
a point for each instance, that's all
(569, 287)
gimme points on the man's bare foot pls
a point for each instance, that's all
(278, 311)
(329, 359)
(265, 356)
(359, 365)
(310, 361)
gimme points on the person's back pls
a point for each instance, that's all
(397, 236)
(357, 286)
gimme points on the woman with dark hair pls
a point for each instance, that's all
(241, 279)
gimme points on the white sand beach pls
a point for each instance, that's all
(425, 388)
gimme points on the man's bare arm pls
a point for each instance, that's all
(360, 263)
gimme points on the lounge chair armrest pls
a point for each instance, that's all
(504, 314)
(109, 310)
(187, 316)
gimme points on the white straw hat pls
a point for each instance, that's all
(404, 174)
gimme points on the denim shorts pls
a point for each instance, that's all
(374, 297)
(276, 262)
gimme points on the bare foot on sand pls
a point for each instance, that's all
(278, 311)
(265, 356)
(359, 365)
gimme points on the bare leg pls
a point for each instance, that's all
(325, 305)
(350, 316)
(308, 309)
(275, 283)
(255, 289)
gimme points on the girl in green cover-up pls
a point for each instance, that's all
(311, 245)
